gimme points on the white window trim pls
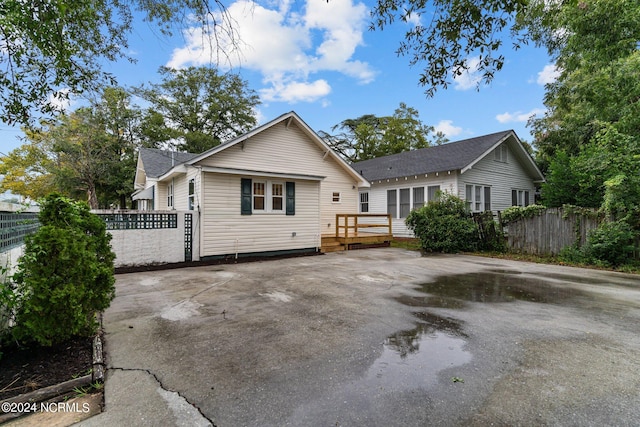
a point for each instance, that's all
(501, 154)
(170, 199)
(333, 196)
(520, 196)
(363, 202)
(471, 204)
(411, 197)
(191, 197)
(268, 202)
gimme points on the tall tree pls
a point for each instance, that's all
(201, 107)
(120, 120)
(87, 154)
(26, 170)
(369, 136)
(590, 135)
(595, 45)
(53, 48)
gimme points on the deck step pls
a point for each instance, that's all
(333, 248)
(331, 244)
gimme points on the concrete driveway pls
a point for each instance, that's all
(377, 337)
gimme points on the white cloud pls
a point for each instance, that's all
(287, 46)
(296, 91)
(549, 74)
(469, 78)
(60, 101)
(518, 116)
(447, 128)
(414, 19)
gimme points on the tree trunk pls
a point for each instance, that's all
(92, 197)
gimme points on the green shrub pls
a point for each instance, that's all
(444, 225)
(514, 213)
(65, 276)
(611, 244)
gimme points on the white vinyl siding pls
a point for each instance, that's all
(379, 192)
(290, 151)
(502, 177)
(227, 232)
(180, 192)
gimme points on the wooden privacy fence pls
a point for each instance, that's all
(548, 232)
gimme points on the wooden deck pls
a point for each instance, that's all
(358, 231)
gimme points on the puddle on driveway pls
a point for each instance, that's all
(488, 287)
(412, 359)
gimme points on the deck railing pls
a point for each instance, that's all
(348, 225)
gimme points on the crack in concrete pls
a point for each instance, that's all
(162, 386)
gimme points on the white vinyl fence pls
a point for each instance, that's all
(141, 238)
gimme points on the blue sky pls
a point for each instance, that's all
(320, 60)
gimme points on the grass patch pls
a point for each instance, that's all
(406, 243)
(414, 245)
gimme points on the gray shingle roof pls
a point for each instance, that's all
(440, 158)
(158, 162)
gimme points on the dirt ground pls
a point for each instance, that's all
(373, 337)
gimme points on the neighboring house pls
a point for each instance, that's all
(273, 190)
(490, 172)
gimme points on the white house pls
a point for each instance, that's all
(490, 172)
(274, 190)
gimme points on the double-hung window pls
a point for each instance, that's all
(266, 196)
(418, 197)
(277, 197)
(405, 202)
(364, 202)
(432, 192)
(478, 197)
(520, 198)
(170, 195)
(259, 196)
(500, 153)
(191, 201)
(392, 203)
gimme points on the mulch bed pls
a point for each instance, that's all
(29, 368)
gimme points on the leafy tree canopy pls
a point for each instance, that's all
(369, 136)
(87, 154)
(51, 48)
(451, 32)
(595, 45)
(199, 107)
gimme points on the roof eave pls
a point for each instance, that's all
(290, 116)
(180, 169)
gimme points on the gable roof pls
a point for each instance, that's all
(460, 155)
(158, 162)
(287, 118)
